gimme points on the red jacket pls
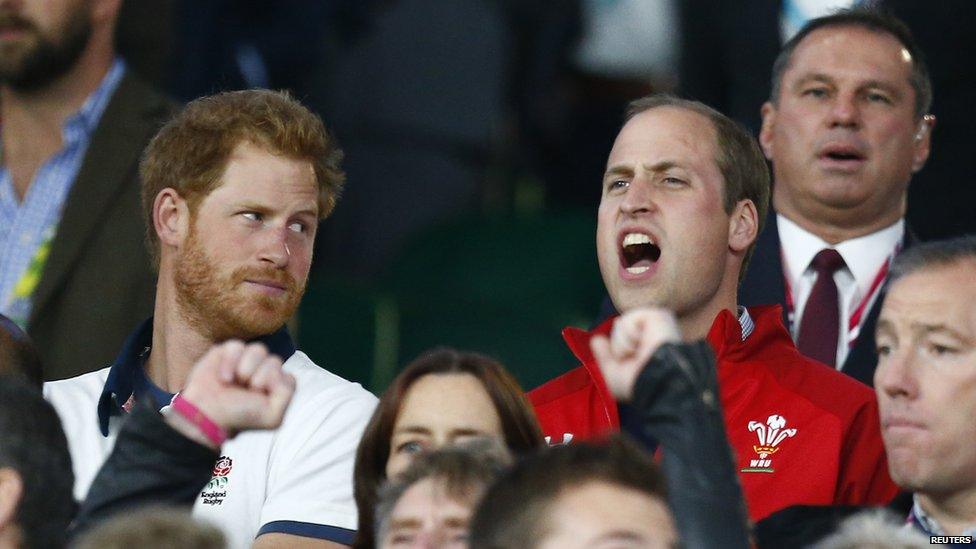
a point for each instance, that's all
(801, 432)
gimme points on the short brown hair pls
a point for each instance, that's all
(154, 526)
(872, 19)
(519, 424)
(465, 472)
(190, 152)
(514, 512)
(739, 160)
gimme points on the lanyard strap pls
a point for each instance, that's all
(19, 304)
(857, 317)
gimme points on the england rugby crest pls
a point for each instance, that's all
(770, 434)
(216, 490)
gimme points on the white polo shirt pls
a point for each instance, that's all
(297, 479)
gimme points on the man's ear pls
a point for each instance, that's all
(768, 112)
(11, 492)
(923, 142)
(743, 226)
(170, 217)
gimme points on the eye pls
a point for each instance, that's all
(936, 349)
(674, 181)
(410, 447)
(818, 93)
(401, 539)
(298, 227)
(617, 185)
(253, 216)
(877, 97)
(883, 350)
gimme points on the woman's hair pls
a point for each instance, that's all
(520, 428)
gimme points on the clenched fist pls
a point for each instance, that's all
(635, 337)
(239, 387)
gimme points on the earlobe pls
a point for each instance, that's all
(923, 142)
(170, 217)
(743, 226)
(11, 492)
(768, 112)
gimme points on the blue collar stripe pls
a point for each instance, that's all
(128, 375)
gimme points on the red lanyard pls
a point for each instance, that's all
(854, 323)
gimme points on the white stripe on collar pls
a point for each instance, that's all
(746, 323)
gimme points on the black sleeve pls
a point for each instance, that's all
(150, 464)
(676, 395)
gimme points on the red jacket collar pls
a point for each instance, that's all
(725, 335)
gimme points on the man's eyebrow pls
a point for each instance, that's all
(311, 212)
(456, 522)
(621, 535)
(618, 169)
(940, 328)
(408, 522)
(888, 86)
(660, 166)
(813, 77)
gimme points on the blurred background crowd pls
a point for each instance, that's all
(476, 132)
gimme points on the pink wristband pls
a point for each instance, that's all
(193, 414)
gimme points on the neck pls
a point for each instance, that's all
(176, 345)
(833, 225)
(695, 324)
(954, 512)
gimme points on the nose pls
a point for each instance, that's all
(274, 248)
(845, 112)
(640, 197)
(895, 375)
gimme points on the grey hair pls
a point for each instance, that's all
(938, 253)
(464, 469)
(874, 529)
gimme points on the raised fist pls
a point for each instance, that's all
(635, 337)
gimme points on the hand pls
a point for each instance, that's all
(635, 337)
(239, 387)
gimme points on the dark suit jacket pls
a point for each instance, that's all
(98, 284)
(764, 285)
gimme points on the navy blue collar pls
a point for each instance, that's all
(128, 378)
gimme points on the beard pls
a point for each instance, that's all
(37, 59)
(217, 306)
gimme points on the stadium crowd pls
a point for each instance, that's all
(782, 361)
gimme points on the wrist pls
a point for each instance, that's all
(189, 420)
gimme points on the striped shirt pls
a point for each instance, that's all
(27, 227)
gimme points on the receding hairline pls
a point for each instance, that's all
(908, 62)
(680, 106)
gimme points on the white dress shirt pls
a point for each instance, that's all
(864, 257)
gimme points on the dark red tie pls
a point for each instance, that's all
(821, 317)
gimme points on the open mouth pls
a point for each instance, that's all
(638, 252)
(842, 153)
